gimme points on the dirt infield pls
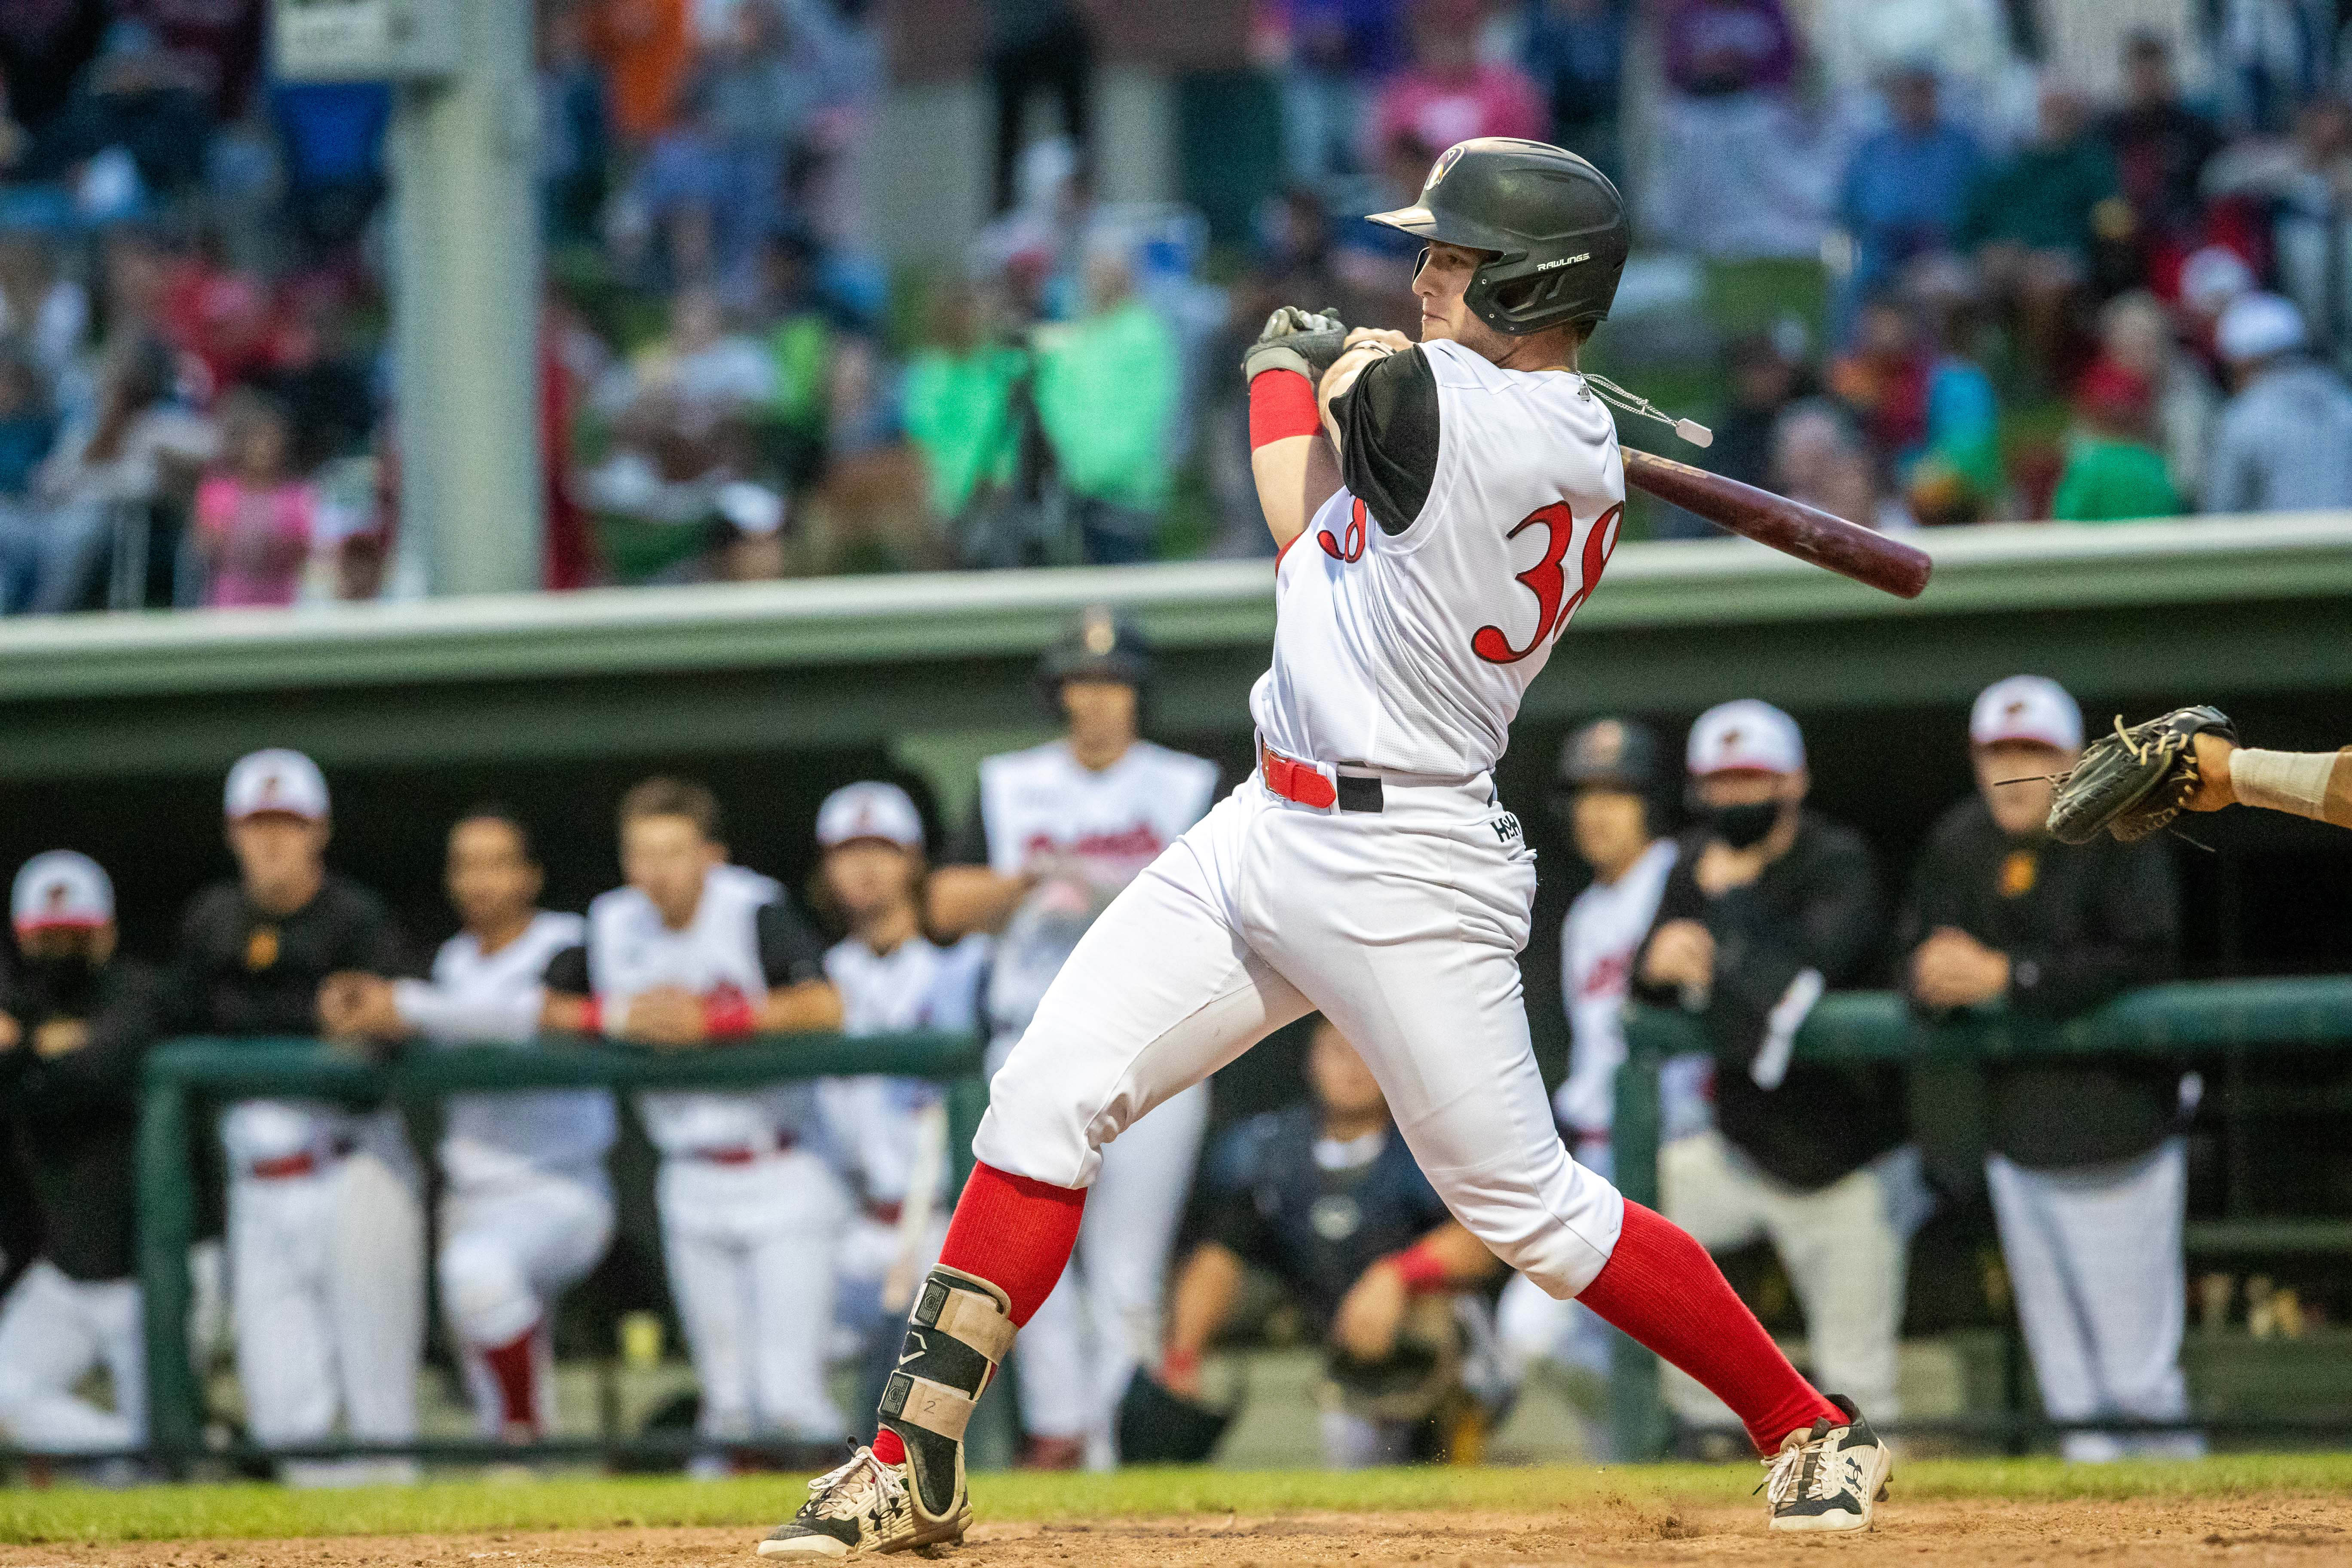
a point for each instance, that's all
(2148, 1532)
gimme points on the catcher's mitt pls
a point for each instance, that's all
(2136, 781)
(1157, 1425)
(1295, 340)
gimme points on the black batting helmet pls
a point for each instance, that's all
(1614, 754)
(1100, 644)
(1555, 225)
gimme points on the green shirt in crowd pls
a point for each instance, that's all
(2045, 198)
(1106, 388)
(957, 413)
(2111, 481)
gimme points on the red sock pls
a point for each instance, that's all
(1661, 1289)
(1015, 1233)
(510, 1364)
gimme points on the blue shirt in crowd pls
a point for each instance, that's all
(1905, 194)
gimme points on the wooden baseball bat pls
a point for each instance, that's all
(1789, 527)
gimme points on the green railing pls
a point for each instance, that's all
(2237, 1017)
(183, 1075)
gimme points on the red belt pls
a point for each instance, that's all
(743, 1153)
(302, 1164)
(1308, 785)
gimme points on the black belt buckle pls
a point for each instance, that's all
(1359, 794)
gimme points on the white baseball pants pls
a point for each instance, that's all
(508, 1251)
(1102, 1319)
(750, 1254)
(1403, 926)
(1843, 1246)
(2094, 1259)
(326, 1282)
(53, 1330)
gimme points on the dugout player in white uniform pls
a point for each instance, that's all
(1457, 500)
(1062, 827)
(1609, 792)
(695, 954)
(76, 1021)
(889, 1133)
(528, 1208)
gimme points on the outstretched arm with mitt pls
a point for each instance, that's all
(2317, 784)
(2134, 782)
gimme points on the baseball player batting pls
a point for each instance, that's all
(1458, 500)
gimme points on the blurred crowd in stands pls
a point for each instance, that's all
(1949, 261)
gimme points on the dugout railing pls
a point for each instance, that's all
(184, 1081)
(2201, 1023)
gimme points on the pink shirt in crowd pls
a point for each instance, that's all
(1493, 100)
(257, 539)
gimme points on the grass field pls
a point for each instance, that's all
(252, 1512)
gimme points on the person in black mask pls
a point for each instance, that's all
(1769, 905)
(75, 1021)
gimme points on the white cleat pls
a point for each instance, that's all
(863, 1507)
(1828, 1477)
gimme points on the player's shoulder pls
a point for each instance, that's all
(221, 901)
(342, 898)
(1045, 764)
(1831, 840)
(1170, 763)
(1967, 819)
(967, 955)
(752, 887)
(559, 927)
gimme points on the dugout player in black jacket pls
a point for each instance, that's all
(1768, 906)
(2087, 1174)
(76, 1020)
(1327, 1198)
(326, 1227)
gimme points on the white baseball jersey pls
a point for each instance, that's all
(1410, 652)
(915, 986)
(1598, 942)
(478, 998)
(631, 950)
(1044, 803)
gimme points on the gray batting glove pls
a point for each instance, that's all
(1296, 339)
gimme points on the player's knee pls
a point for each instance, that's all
(487, 1296)
(1037, 1125)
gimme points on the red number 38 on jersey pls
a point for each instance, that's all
(1548, 583)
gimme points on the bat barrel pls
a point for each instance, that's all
(1791, 527)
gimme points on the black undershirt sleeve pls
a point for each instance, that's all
(1387, 437)
(567, 972)
(790, 953)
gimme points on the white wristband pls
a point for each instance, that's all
(2283, 780)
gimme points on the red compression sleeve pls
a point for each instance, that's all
(1661, 1288)
(728, 1016)
(1281, 404)
(1422, 1269)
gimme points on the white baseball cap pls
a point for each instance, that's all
(1745, 735)
(2026, 707)
(870, 810)
(2256, 326)
(275, 781)
(2212, 277)
(61, 888)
